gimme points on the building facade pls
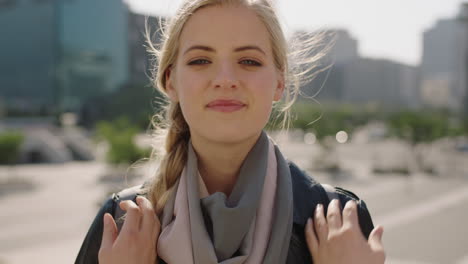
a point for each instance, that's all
(28, 53)
(463, 18)
(55, 54)
(381, 82)
(356, 80)
(142, 62)
(341, 48)
(443, 66)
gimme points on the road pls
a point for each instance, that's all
(425, 218)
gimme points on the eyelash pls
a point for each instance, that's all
(252, 62)
(204, 61)
(197, 62)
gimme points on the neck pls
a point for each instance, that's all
(219, 163)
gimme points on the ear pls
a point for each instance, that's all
(170, 89)
(279, 87)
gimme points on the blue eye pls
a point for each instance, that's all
(199, 62)
(250, 63)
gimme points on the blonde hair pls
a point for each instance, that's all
(172, 132)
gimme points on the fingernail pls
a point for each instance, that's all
(318, 209)
(350, 202)
(335, 202)
(380, 232)
(381, 228)
(308, 222)
(106, 219)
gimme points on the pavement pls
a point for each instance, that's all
(424, 217)
(49, 223)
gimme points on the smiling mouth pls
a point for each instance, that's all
(225, 106)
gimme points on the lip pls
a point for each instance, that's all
(225, 106)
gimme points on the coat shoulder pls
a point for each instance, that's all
(89, 250)
(307, 193)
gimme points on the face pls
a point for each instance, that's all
(224, 77)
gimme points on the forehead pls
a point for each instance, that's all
(225, 27)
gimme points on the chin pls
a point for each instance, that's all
(229, 135)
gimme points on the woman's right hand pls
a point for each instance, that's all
(137, 240)
(338, 239)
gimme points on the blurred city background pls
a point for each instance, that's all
(76, 103)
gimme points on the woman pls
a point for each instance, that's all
(223, 192)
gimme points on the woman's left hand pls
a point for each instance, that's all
(339, 240)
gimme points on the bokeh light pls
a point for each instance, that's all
(342, 137)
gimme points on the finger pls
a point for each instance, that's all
(132, 217)
(148, 215)
(321, 226)
(350, 215)
(311, 237)
(334, 215)
(375, 239)
(109, 233)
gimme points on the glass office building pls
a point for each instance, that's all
(57, 53)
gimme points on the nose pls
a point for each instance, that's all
(226, 77)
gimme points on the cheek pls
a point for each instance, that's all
(264, 86)
(190, 90)
(263, 89)
(189, 87)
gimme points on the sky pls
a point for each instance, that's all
(390, 29)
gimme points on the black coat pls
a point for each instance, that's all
(307, 193)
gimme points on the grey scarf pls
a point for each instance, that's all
(227, 223)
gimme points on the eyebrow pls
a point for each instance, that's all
(239, 49)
